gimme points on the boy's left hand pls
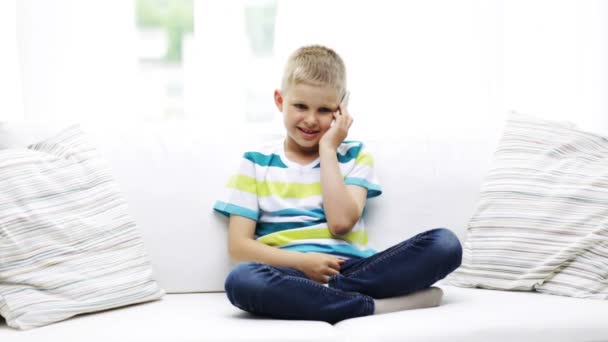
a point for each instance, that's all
(339, 130)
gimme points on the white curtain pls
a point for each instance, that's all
(79, 59)
(11, 92)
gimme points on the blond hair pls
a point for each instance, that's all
(317, 65)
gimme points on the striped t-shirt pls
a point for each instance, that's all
(285, 199)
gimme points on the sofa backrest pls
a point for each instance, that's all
(171, 175)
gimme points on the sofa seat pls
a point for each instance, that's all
(465, 315)
(478, 315)
(175, 318)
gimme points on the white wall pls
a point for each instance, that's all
(11, 96)
(556, 60)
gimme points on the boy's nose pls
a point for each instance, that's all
(310, 117)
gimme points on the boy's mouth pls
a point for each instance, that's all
(308, 133)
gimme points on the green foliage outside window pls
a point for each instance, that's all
(174, 16)
(259, 21)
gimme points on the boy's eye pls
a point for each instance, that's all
(325, 110)
(299, 106)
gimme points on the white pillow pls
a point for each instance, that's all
(541, 222)
(67, 242)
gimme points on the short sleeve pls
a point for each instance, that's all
(363, 172)
(240, 194)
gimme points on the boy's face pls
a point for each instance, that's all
(308, 111)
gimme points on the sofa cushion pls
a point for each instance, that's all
(471, 315)
(176, 318)
(67, 242)
(540, 222)
(479, 315)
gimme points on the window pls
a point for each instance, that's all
(235, 40)
(162, 27)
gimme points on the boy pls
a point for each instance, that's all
(295, 215)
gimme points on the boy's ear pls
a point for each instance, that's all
(278, 99)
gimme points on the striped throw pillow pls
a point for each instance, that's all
(541, 223)
(67, 243)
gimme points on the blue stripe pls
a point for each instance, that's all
(265, 160)
(273, 227)
(373, 190)
(318, 213)
(342, 250)
(227, 209)
(351, 154)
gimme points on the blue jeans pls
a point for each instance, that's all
(283, 292)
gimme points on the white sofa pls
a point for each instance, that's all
(171, 174)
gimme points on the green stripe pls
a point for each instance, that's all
(285, 237)
(364, 159)
(279, 189)
(243, 183)
(265, 228)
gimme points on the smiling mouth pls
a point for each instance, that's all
(307, 131)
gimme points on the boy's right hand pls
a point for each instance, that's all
(319, 267)
(336, 134)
